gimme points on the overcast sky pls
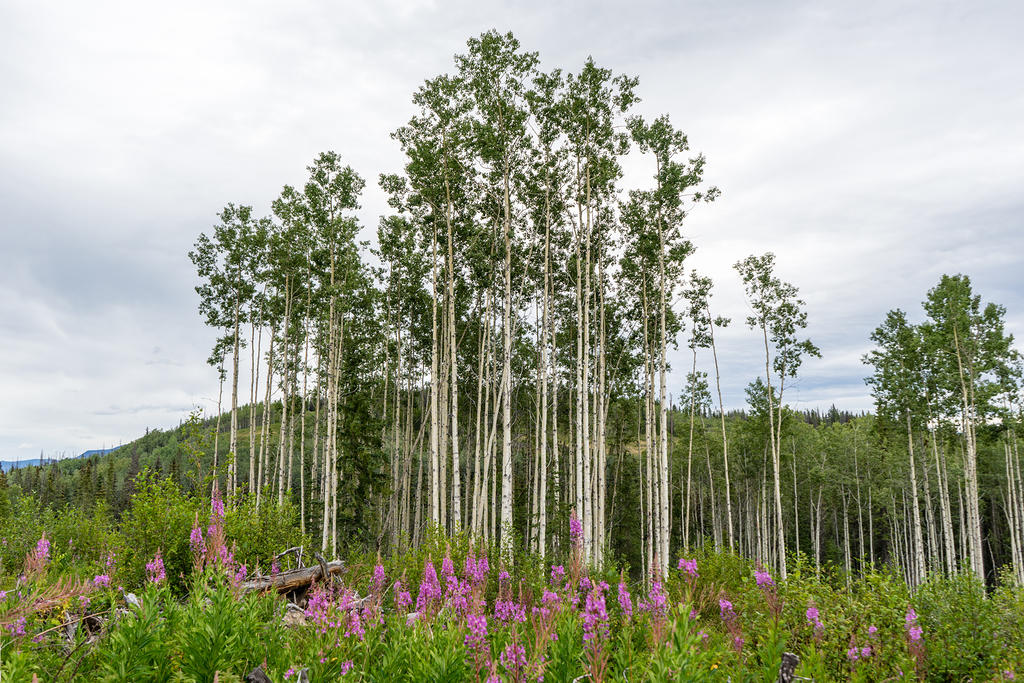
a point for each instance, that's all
(872, 146)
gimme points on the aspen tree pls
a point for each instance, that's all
(778, 316)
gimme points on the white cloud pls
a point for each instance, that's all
(873, 146)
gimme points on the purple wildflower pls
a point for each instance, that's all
(814, 620)
(217, 507)
(447, 569)
(43, 549)
(625, 600)
(688, 567)
(101, 581)
(575, 528)
(514, 657)
(155, 569)
(402, 598)
(430, 588)
(379, 578)
(595, 615)
(509, 611)
(476, 639)
(17, 628)
(196, 541)
(657, 599)
(914, 631)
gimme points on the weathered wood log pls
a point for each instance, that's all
(257, 676)
(292, 579)
(298, 554)
(787, 669)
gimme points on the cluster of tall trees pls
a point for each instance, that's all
(500, 359)
(513, 272)
(942, 382)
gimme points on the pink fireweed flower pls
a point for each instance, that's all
(447, 568)
(865, 652)
(595, 615)
(402, 597)
(430, 588)
(853, 654)
(625, 600)
(379, 578)
(688, 567)
(101, 581)
(42, 553)
(503, 576)
(509, 611)
(513, 658)
(557, 574)
(240, 574)
(913, 630)
(346, 666)
(657, 599)
(457, 594)
(763, 578)
(476, 639)
(737, 643)
(476, 569)
(814, 620)
(872, 630)
(725, 609)
(354, 626)
(17, 628)
(575, 528)
(155, 569)
(196, 541)
(216, 507)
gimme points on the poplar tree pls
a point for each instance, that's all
(897, 385)
(778, 314)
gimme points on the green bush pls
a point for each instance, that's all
(159, 517)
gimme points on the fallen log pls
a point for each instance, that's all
(292, 579)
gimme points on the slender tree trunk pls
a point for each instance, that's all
(254, 381)
(689, 452)
(506, 381)
(919, 564)
(216, 431)
(233, 447)
(725, 438)
(285, 395)
(265, 433)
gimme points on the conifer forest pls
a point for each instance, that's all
(459, 451)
